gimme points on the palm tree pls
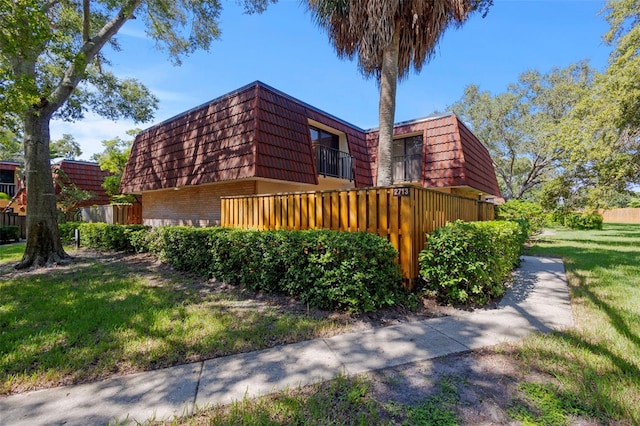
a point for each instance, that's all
(389, 37)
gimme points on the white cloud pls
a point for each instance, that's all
(91, 131)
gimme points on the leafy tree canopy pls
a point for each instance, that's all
(521, 126)
(66, 147)
(603, 130)
(10, 146)
(114, 159)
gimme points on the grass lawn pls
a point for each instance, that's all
(103, 316)
(11, 252)
(597, 364)
(106, 316)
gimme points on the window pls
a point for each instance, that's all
(324, 138)
(6, 176)
(330, 161)
(7, 183)
(407, 159)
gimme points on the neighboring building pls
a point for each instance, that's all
(86, 176)
(12, 185)
(258, 140)
(9, 179)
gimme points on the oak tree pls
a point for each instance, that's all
(53, 65)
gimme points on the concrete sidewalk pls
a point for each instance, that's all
(538, 301)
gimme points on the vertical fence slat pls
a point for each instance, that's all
(335, 210)
(383, 213)
(344, 211)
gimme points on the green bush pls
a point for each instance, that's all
(325, 269)
(103, 236)
(9, 233)
(574, 220)
(67, 231)
(469, 262)
(523, 210)
(354, 271)
(583, 221)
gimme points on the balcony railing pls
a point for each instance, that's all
(334, 163)
(407, 168)
(8, 188)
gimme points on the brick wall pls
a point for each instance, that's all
(192, 205)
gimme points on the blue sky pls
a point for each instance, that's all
(285, 49)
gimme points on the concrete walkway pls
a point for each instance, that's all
(538, 301)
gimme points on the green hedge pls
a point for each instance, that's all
(582, 220)
(523, 210)
(469, 262)
(354, 271)
(103, 236)
(67, 229)
(9, 233)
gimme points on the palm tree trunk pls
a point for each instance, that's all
(387, 110)
(43, 237)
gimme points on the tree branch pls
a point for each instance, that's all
(86, 20)
(75, 71)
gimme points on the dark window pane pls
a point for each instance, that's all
(6, 176)
(314, 135)
(407, 159)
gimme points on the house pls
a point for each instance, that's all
(11, 185)
(9, 177)
(83, 174)
(258, 140)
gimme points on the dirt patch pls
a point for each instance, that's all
(485, 384)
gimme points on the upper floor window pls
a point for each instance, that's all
(7, 176)
(324, 138)
(407, 159)
(330, 161)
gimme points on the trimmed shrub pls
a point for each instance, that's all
(469, 262)
(184, 248)
(67, 231)
(9, 233)
(523, 210)
(103, 236)
(354, 271)
(325, 269)
(574, 220)
(583, 221)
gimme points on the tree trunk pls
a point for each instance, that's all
(387, 110)
(43, 237)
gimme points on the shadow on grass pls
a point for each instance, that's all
(105, 316)
(599, 363)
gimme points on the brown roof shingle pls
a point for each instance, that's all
(258, 131)
(86, 176)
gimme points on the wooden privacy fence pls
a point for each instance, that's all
(627, 215)
(13, 219)
(402, 215)
(113, 214)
